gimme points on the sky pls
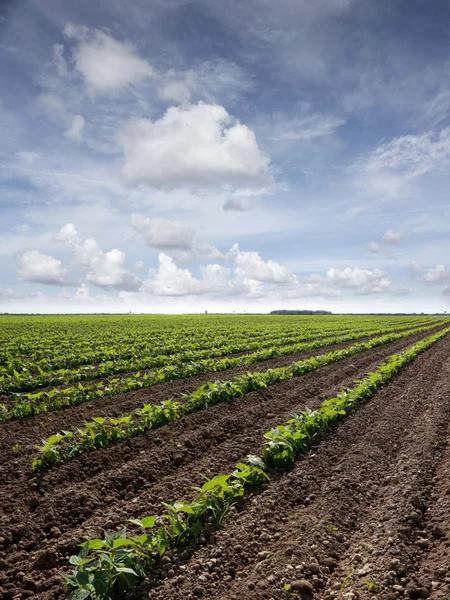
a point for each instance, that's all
(183, 156)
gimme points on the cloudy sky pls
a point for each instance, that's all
(178, 155)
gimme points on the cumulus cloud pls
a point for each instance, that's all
(433, 275)
(104, 269)
(106, 64)
(161, 233)
(248, 276)
(41, 268)
(76, 129)
(254, 267)
(437, 274)
(392, 237)
(170, 280)
(198, 145)
(363, 281)
(210, 252)
(68, 234)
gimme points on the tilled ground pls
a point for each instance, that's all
(365, 515)
(319, 510)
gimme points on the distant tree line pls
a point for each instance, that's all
(301, 312)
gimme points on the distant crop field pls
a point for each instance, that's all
(222, 456)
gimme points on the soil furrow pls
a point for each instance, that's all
(349, 521)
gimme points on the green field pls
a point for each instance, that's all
(74, 388)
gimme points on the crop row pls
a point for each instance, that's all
(144, 358)
(102, 431)
(62, 349)
(25, 405)
(23, 380)
(110, 567)
(34, 342)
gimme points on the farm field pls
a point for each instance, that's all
(258, 457)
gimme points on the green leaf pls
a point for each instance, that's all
(126, 570)
(80, 594)
(84, 550)
(122, 542)
(96, 544)
(149, 522)
(101, 583)
(218, 481)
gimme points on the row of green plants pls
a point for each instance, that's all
(23, 380)
(109, 568)
(79, 342)
(54, 356)
(102, 431)
(29, 338)
(72, 356)
(156, 357)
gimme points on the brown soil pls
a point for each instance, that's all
(365, 515)
(341, 484)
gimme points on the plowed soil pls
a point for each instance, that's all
(372, 492)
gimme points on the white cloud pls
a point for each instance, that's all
(68, 234)
(210, 252)
(251, 265)
(374, 247)
(241, 199)
(76, 129)
(41, 268)
(239, 204)
(392, 237)
(249, 277)
(212, 80)
(104, 269)
(59, 60)
(302, 127)
(106, 64)
(437, 274)
(415, 270)
(314, 278)
(412, 154)
(161, 233)
(170, 280)
(177, 87)
(198, 145)
(363, 281)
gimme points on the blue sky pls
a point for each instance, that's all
(169, 155)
